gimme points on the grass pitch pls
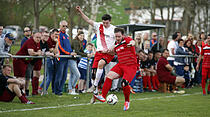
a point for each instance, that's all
(151, 104)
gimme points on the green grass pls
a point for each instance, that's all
(142, 104)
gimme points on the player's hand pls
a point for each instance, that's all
(197, 67)
(73, 54)
(78, 8)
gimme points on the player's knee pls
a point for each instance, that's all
(101, 64)
(124, 83)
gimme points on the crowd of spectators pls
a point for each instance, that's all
(57, 42)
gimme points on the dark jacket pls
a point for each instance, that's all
(180, 51)
(77, 46)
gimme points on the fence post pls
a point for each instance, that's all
(45, 75)
(88, 73)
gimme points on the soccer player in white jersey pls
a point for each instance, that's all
(105, 43)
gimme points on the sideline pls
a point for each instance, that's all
(84, 104)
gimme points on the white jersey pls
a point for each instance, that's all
(108, 34)
(172, 44)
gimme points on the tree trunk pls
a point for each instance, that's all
(94, 10)
(36, 15)
(54, 14)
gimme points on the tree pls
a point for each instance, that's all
(37, 9)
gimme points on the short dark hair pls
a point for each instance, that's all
(180, 40)
(53, 30)
(150, 52)
(201, 34)
(106, 17)
(175, 35)
(116, 30)
(7, 65)
(209, 34)
(157, 51)
(164, 50)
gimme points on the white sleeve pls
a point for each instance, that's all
(96, 25)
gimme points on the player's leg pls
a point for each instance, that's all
(203, 81)
(99, 73)
(107, 86)
(128, 75)
(209, 81)
(179, 81)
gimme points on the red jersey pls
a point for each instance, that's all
(29, 44)
(126, 55)
(51, 43)
(205, 51)
(162, 71)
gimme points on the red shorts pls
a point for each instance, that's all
(206, 72)
(126, 72)
(7, 95)
(170, 79)
(99, 56)
(38, 65)
(19, 67)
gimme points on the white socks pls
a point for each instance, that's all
(99, 73)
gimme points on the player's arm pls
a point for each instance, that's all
(169, 67)
(199, 60)
(89, 21)
(31, 52)
(173, 51)
(131, 43)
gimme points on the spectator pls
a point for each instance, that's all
(11, 87)
(82, 66)
(154, 77)
(172, 48)
(198, 73)
(145, 38)
(38, 62)
(29, 69)
(138, 41)
(161, 45)
(164, 70)
(126, 68)
(5, 45)
(84, 41)
(105, 42)
(32, 48)
(1, 31)
(77, 46)
(202, 36)
(180, 61)
(64, 47)
(51, 62)
(27, 35)
(154, 39)
(146, 47)
(205, 54)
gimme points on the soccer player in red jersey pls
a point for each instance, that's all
(105, 41)
(32, 48)
(126, 68)
(205, 54)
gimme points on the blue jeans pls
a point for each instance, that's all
(180, 70)
(50, 71)
(74, 74)
(61, 74)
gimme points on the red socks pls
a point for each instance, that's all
(106, 87)
(35, 85)
(145, 81)
(126, 91)
(155, 82)
(23, 99)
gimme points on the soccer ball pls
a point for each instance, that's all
(111, 99)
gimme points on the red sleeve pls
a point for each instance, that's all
(128, 39)
(31, 45)
(49, 43)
